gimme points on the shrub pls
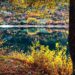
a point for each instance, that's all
(32, 21)
(43, 61)
(49, 22)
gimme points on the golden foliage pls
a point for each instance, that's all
(45, 61)
(32, 21)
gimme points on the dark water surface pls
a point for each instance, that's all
(22, 38)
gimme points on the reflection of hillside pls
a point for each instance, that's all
(20, 40)
(32, 31)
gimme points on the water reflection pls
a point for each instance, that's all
(22, 38)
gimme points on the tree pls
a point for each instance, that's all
(30, 2)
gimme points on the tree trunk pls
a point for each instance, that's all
(72, 34)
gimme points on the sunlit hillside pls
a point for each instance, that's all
(40, 12)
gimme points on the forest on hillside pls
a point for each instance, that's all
(34, 12)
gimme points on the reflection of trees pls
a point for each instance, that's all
(22, 41)
(1, 42)
(32, 31)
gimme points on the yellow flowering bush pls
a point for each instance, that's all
(45, 61)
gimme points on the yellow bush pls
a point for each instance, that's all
(46, 61)
(32, 21)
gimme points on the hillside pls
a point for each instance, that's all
(46, 13)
